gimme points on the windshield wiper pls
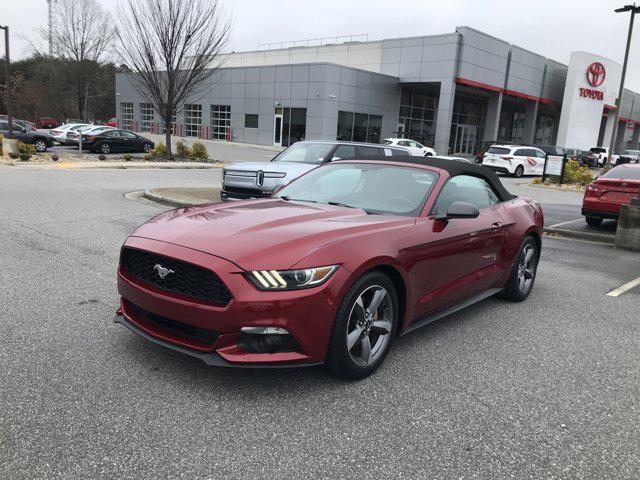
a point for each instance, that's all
(287, 198)
(340, 204)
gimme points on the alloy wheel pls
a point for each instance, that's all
(105, 148)
(369, 328)
(40, 146)
(526, 268)
(146, 147)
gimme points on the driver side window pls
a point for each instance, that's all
(465, 188)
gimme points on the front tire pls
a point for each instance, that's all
(41, 146)
(593, 221)
(146, 148)
(364, 327)
(519, 171)
(523, 272)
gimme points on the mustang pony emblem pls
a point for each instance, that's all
(162, 272)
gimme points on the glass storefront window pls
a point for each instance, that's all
(359, 127)
(294, 125)
(545, 127)
(511, 129)
(146, 117)
(127, 115)
(375, 129)
(360, 124)
(192, 119)
(417, 113)
(220, 121)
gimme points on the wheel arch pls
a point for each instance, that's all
(401, 289)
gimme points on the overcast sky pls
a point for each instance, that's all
(553, 28)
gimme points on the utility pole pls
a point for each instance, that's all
(7, 89)
(633, 9)
(50, 5)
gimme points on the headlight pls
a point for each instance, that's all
(290, 279)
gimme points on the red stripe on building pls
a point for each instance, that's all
(513, 93)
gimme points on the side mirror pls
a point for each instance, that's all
(460, 210)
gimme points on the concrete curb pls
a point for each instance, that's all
(170, 201)
(552, 187)
(117, 166)
(590, 236)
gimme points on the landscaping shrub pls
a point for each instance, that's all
(25, 157)
(199, 151)
(13, 155)
(54, 157)
(160, 150)
(102, 157)
(127, 157)
(182, 150)
(27, 148)
(574, 173)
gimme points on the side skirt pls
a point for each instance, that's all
(443, 312)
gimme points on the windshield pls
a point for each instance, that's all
(304, 152)
(623, 173)
(372, 187)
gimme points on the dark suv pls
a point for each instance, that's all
(40, 140)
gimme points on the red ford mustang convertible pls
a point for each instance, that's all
(332, 267)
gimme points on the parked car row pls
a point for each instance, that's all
(25, 133)
(101, 138)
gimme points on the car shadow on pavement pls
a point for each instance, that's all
(182, 371)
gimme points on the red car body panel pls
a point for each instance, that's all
(435, 262)
(605, 196)
(112, 123)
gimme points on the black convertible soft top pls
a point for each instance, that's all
(453, 167)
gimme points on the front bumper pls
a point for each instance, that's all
(231, 193)
(306, 314)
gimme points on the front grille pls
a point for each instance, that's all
(246, 191)
(184, 279)
(175, 328)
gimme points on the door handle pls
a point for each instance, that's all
(496, 226)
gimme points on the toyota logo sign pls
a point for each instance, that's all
(596, 74)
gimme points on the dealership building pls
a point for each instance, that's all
(452, 91)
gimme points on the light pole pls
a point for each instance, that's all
(7, 65)
(633, 9)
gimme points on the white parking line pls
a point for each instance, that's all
(624, 288)
(565, 223)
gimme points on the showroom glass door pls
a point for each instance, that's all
(277, 128)
(465, 139)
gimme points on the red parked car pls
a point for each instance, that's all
(112, 123)
(332, 267)
(603, 198)
(46, 122)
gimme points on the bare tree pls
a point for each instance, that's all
(172, 48)
(82, 38)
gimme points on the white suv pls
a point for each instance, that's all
(416, 149)
(515, 160)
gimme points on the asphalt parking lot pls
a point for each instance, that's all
(547, 388)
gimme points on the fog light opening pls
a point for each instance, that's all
(267, 340)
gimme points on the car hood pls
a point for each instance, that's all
(263, 234)
(291, 169)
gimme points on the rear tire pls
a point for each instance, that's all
(593, 221)
(105, 148)
(519, 171)
(361, 324)
(523, 272)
